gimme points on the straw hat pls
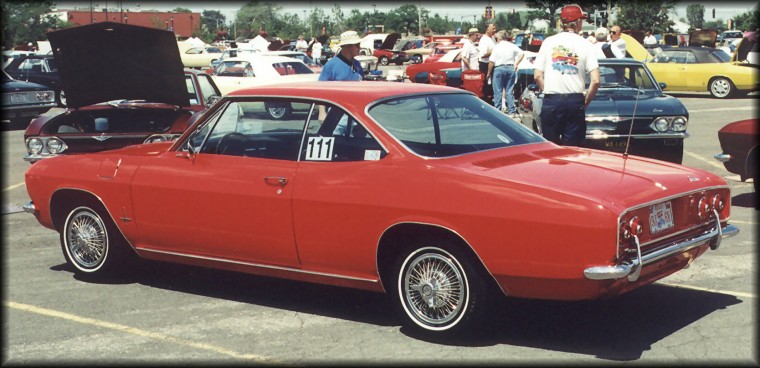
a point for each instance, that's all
(349, 38)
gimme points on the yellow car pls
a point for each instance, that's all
(698, 69)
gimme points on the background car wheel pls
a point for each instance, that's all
(722, 88)
(61, 98)
(279, 111)
(416, 59)
(383, 60)
(438, 289)
(91, 243)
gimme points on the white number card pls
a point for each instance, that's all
(320, 148)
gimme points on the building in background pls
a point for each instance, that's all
(183, 24)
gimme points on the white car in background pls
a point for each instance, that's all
(199, 56)
(257, 70)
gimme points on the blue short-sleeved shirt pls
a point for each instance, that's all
(338, 69)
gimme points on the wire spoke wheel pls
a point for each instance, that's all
(433, 289)
(86, 239)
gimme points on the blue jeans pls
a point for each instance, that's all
(563, 119)
(504, 81)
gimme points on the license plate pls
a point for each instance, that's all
(660, 217)
(614, 144)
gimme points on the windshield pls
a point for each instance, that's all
(721, 55)
(289, 68)
(624, 76)
(443, 125)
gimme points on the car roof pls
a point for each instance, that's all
(356, 93)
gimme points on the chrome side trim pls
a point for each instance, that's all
(619, 271)
(722, 157)
(639, 136)
(271, 267)
(29, 207)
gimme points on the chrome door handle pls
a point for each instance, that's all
(276, 180)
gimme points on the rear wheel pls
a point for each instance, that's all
(383, 60)
(722, 88)
(438, 288)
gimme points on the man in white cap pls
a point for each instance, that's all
(343, 67)
(560, 72)
(470, 51)
(526, 40)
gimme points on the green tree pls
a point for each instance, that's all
(646, 15)
(405, 19)
(439, 25)
(748, 21)
(182, 10)
(718, 25)
(213, 19)
(28, 21)
(338, 17)
(695, 14)
(548, 8)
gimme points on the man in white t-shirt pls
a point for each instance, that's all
(301, 44)
(618, 44)
(600, 35)
(470, 51)
(503, 69)
(650, 39)
(485, 47)
(560, 72)
(316, 51)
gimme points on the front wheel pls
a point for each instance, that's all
(91, 243)
(438, 289)
(721, 88)
(383, 60)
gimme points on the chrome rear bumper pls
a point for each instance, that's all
(632, 268)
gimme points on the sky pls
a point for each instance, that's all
(453, 9)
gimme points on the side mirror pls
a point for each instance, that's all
(663, 85)
(533, 87)
(211, 100)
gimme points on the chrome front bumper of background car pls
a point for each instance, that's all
(633, 268)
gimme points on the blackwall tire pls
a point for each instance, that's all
(722, 88)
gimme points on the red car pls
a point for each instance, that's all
(739, 141)
(390, 51)
(438, 209)
(116, 96)
(441, 50)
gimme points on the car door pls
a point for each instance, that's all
(669, 67)
(231, 199)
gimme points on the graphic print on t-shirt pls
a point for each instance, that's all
(564, 60)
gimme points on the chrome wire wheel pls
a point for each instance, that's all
(433, 289)
(721, 88)
(86, 239)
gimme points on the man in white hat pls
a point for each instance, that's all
(526, 40)
(343, 67)
(470, 51)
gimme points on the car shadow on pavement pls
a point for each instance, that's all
(747, 200)
(617, 329)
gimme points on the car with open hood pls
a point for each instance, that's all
(115, 95)
(699, 67)
(630, 113)
(422, 192)
(391, 50)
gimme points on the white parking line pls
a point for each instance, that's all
(135, 331)
(737, 294)
(14, 186)
(713, 162)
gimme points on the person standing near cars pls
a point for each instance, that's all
(502, 68)
(344, 66)
(316, 51)
(470, 51)
(560, 72)
(301, 44)
(650, 39)
(485, 47)
(618, 44)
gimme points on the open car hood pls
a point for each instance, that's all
(705, 37)
(113, 61)
(747, 44)
(390, 41)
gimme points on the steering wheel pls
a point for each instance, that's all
(228, 141)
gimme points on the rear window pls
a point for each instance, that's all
(289, 68)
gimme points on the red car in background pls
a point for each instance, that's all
(440, 50)
(391, 51)
(127, 98)
(741, 155)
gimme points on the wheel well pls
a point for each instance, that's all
(398, 238)
(709, 82)
(752, 160)
(65, 200)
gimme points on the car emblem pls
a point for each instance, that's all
(657, 110)
(101, 137)
(693, 179)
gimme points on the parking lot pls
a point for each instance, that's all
(171, 313)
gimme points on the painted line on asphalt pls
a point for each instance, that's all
(723, 109)
(742, 222)
(713, 162)
(136, 331)
(14, 186)
(737, 294)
